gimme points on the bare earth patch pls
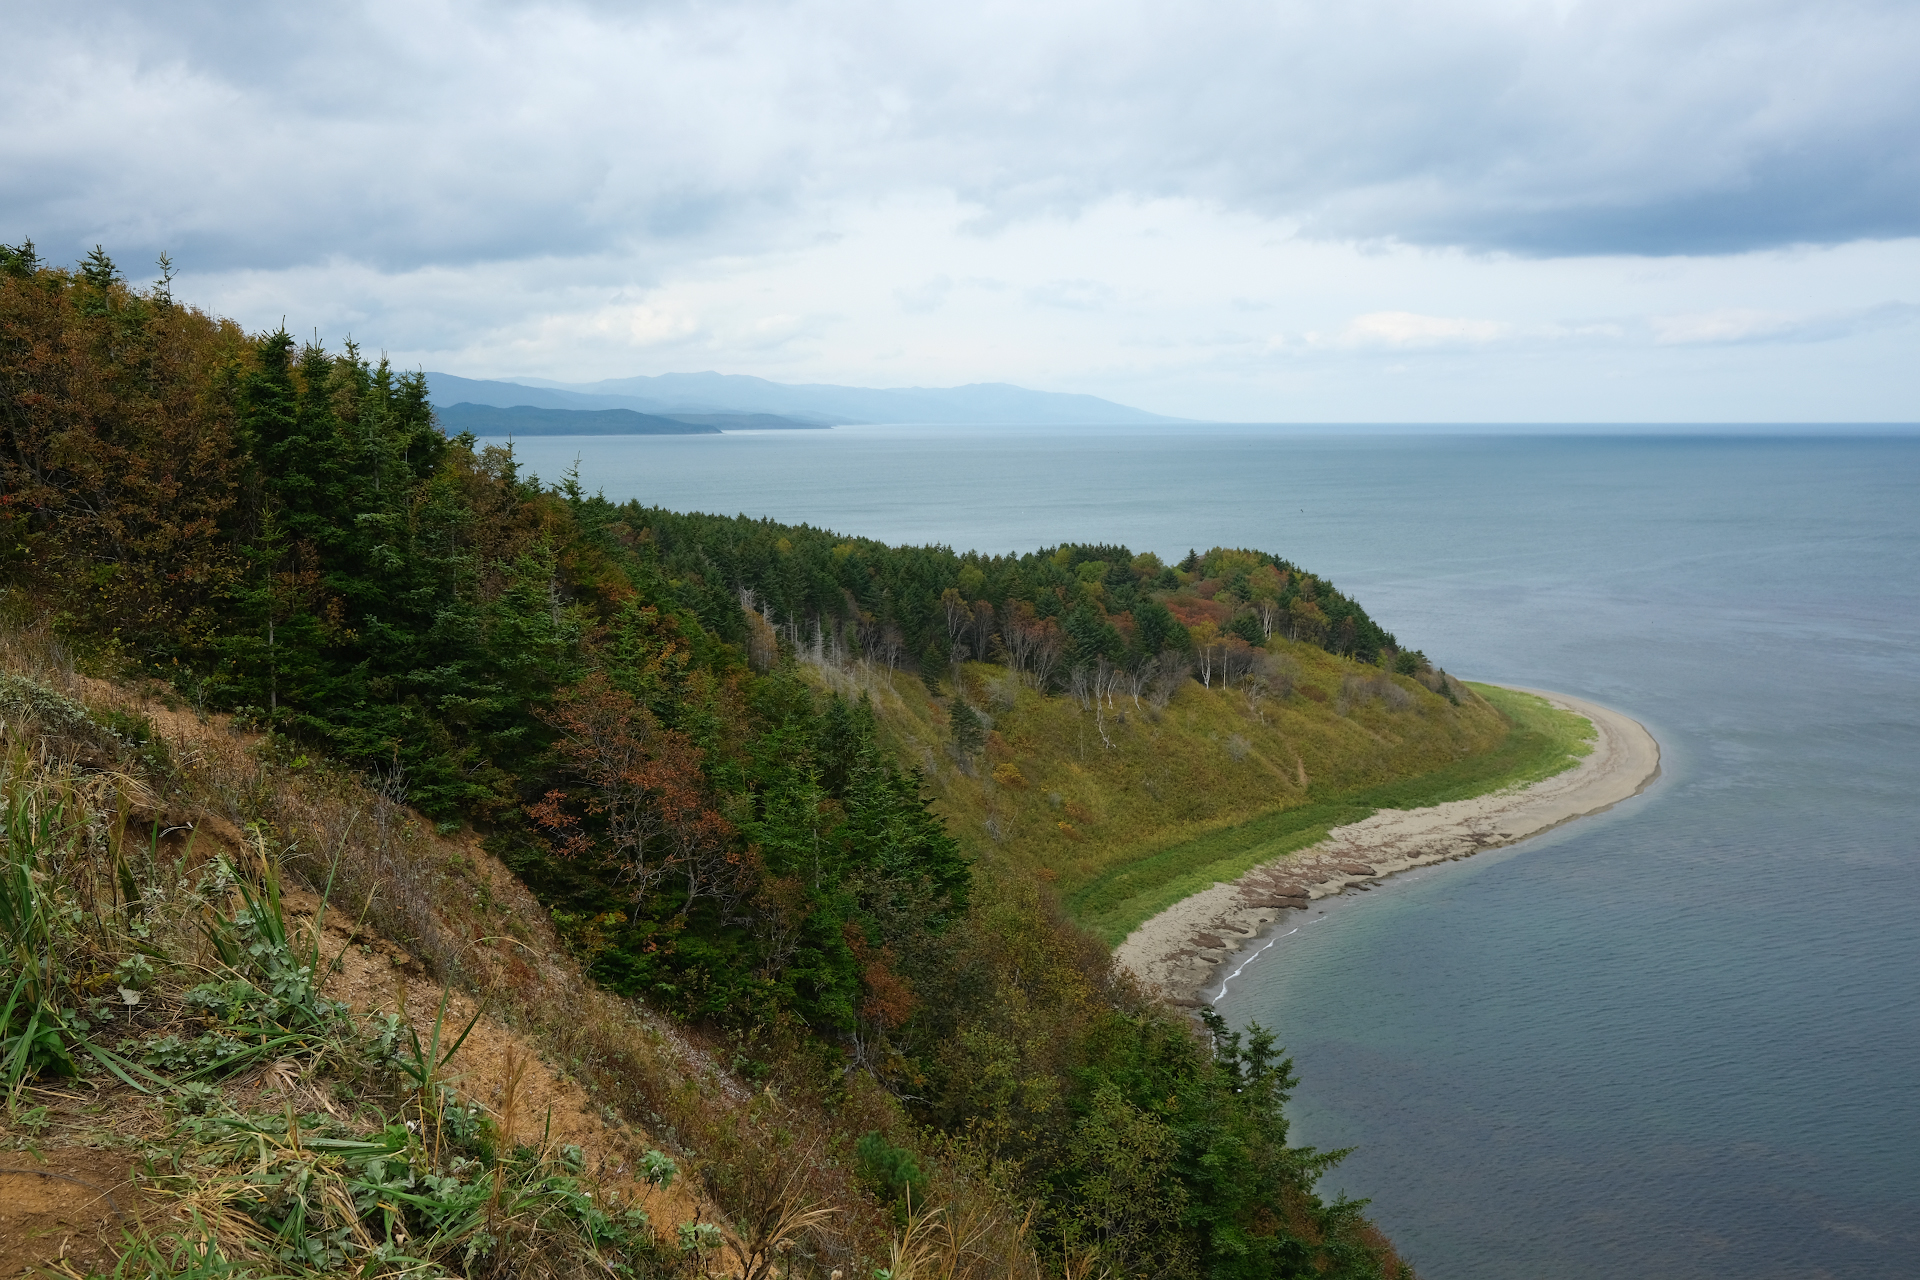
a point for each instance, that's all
(496, 1066)
(67, 1203)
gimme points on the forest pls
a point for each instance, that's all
(618, 699)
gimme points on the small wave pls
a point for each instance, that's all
(1255, 956)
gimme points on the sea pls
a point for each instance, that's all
(1678, 1039)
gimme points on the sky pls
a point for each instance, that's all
(1353, 211)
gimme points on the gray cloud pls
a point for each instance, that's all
(403, 135)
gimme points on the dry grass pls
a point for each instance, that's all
(965, 1243)
(409, 911)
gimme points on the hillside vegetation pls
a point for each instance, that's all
(610, 771)
(209, 1072)
(1122, 804)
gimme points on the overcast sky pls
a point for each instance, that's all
(1356, 210)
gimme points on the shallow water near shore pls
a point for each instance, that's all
(1678, 1039)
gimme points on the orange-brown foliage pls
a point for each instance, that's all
(117, 450)
(1193, 611)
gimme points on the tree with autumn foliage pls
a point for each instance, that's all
(644, 789)
(117, 451)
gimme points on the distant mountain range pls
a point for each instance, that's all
(731, 401)
(530, 420)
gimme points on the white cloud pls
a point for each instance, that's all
(1729, 324)
(926, 296)
(1072, 295)
(1741, 324)
(1337, 332)
(1406, 329)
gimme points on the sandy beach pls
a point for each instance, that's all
(1180, 950)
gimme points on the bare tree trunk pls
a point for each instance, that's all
(1141, 677)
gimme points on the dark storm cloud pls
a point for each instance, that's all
(403, 135)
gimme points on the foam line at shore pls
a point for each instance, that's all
(1180, 951)
(1242, 966)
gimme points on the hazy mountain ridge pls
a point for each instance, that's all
(533, 420)
(818, 403)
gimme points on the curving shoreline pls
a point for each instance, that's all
(1179, 951)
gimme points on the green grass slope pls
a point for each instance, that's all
(1130, 809)
(1539, 743)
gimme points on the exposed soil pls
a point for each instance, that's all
(63, 1203)
(547, 1108)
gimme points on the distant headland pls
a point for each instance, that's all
(734, 402)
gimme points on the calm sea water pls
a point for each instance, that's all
(1681, 1039)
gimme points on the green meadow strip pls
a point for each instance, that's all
(1541, 742)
